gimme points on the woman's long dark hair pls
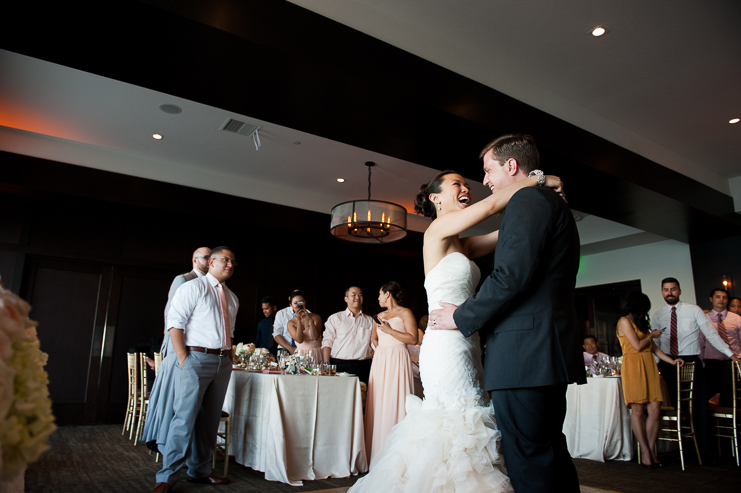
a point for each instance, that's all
(637, 305)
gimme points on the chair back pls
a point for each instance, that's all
(133, 372)
(685, 389)
(143, 375)
(157, 363)
(736, 372)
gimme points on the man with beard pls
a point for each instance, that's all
(681, 325)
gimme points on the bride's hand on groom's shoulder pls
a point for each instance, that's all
(442, 318)
(554, 182)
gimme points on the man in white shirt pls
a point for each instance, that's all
(200, 269)
(591, 350)
(280, 326)
(681, 325)
(201, 323)
(718, 372)
(347, 337)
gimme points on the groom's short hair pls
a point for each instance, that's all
(520, 147)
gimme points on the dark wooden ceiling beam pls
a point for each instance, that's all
(281, 63)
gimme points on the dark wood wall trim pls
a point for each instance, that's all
(321, 77)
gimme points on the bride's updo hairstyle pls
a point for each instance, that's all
(422, 203)
(393, 288)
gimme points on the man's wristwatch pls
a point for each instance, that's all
(539, 174)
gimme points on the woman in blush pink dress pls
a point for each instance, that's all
(391, 377)
(306, 329)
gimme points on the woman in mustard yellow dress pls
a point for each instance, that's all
(641, 380)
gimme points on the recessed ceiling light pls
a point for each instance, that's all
(171, 109)
(157, 137)
(341, 180)
(599, 31)
(735, 120)
(297, 143)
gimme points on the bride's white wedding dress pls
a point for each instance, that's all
(448, 441)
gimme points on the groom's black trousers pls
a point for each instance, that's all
(534, 446)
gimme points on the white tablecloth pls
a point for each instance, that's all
(597, 424)
(295, 427)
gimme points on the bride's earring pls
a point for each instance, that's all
(439, 207)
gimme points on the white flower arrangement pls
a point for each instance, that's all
(26, 419)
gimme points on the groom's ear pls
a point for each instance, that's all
(513, 167)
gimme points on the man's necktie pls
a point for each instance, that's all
(673, 345)
(722, 332)
(225, 314)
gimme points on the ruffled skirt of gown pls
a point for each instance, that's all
(448, 442)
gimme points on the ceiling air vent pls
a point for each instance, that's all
(243, 128)
(238, 127)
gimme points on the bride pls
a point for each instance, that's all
(449, 440)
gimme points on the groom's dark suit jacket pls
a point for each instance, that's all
(525, 308)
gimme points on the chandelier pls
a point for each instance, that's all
(369, 221)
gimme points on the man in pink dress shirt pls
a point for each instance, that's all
(347, 337)
(718, 373)
(591, 352)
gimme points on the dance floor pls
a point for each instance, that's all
(98, 458)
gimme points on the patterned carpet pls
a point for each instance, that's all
(97, 458)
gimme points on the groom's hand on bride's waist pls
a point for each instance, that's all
(442, 318)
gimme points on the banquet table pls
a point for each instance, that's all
(597, 424)
(295, 427)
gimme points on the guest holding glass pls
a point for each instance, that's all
(391, 377)
(641, 380)
(305, 328)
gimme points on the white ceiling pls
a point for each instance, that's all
(662, 83)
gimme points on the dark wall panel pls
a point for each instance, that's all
(711, 261)
(65, 302)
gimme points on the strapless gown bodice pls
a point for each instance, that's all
(452, 280)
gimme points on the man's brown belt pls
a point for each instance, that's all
(220, 352)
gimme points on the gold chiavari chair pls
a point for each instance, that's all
(676, 423)
(131, 402)
(142, 397)
(157, 363)
(725, 419)
(223, 447)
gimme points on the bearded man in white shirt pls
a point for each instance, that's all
(201, 323)
(199, 260)
(681, 325)
(347, 337)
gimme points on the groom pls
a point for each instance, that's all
(525, 308)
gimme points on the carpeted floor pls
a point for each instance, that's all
(98, 458)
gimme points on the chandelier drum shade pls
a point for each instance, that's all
(369, 221)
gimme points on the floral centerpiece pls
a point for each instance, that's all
(26, 420)
(243, 352)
